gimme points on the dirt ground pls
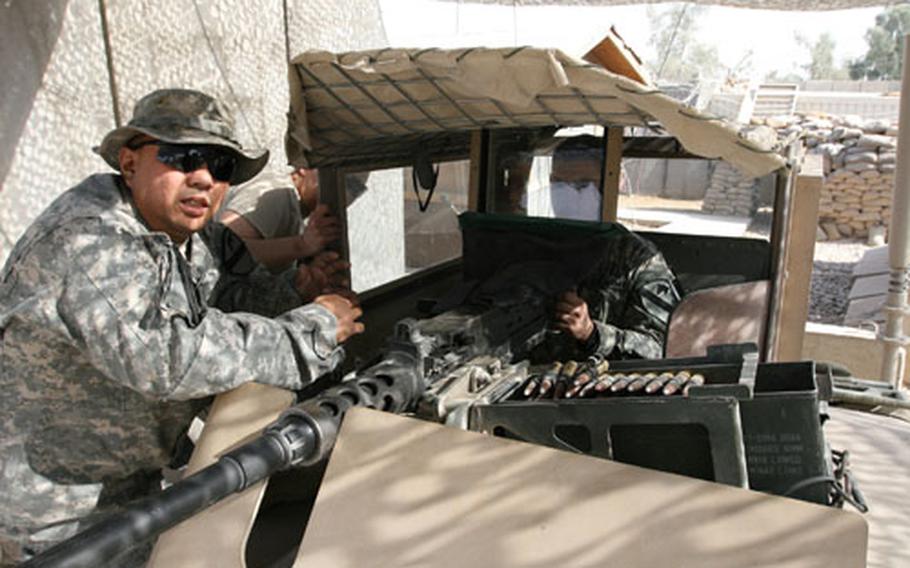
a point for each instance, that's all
(655, 202)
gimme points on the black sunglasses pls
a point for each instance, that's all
(188, 158)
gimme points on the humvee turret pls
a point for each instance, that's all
(442, 166)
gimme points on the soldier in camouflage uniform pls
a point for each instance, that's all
(110, 340)
(622, 307)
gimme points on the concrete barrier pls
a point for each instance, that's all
(856, 349)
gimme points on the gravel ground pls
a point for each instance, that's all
(831, 278)
(832, 271)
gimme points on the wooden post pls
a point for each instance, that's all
(798, 251)
(332, 192)
(474, 179)
(612, 172)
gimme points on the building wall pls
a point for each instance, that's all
(671, 179)
(871, 106)
(233, 49)
(845, 86)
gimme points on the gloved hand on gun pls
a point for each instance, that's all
(572, 316)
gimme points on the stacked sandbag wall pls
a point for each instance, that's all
(859, 180)
(730, 192)
(859, 164)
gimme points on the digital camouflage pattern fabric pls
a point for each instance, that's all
(112, 338)
(630, 293)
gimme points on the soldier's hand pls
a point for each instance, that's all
(322, 228)
(308, 282)
(572, 316)
(325, 273)
(332, 269)
(347, 293)
(346, 314)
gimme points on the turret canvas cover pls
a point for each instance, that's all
(402, 492)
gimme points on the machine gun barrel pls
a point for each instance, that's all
(301, 436)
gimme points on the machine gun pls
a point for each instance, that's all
(466, 366)
(476, 352)
(474, 339)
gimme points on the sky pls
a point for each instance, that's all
(574, 29)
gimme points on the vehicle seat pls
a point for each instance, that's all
(732, 313)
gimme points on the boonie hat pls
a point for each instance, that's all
(184, 116)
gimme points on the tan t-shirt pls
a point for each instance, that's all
(270, 203)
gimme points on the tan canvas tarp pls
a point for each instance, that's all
(402, 492)
(223, 529)
(347, 108)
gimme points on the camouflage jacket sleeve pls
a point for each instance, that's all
(122, 302)
(243, 284)
(633, 323)
(259, 292)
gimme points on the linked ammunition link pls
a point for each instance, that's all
(591, 379)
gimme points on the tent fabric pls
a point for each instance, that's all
(794, 5)
(351, 107)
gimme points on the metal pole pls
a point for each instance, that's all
(109, 58)
(895, 342)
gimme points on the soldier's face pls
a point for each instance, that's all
(306, 180)
(169, 200)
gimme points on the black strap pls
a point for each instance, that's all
(423, 204)
(194, 297)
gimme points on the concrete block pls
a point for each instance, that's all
(376, 231)
(875, 261)
(865, 309)
(866, 286)
(856, 349)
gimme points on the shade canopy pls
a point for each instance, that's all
(794, 5)
(359, 108)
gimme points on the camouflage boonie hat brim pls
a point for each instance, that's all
(183, 116)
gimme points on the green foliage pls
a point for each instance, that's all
(821, 52)
(883, 55)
